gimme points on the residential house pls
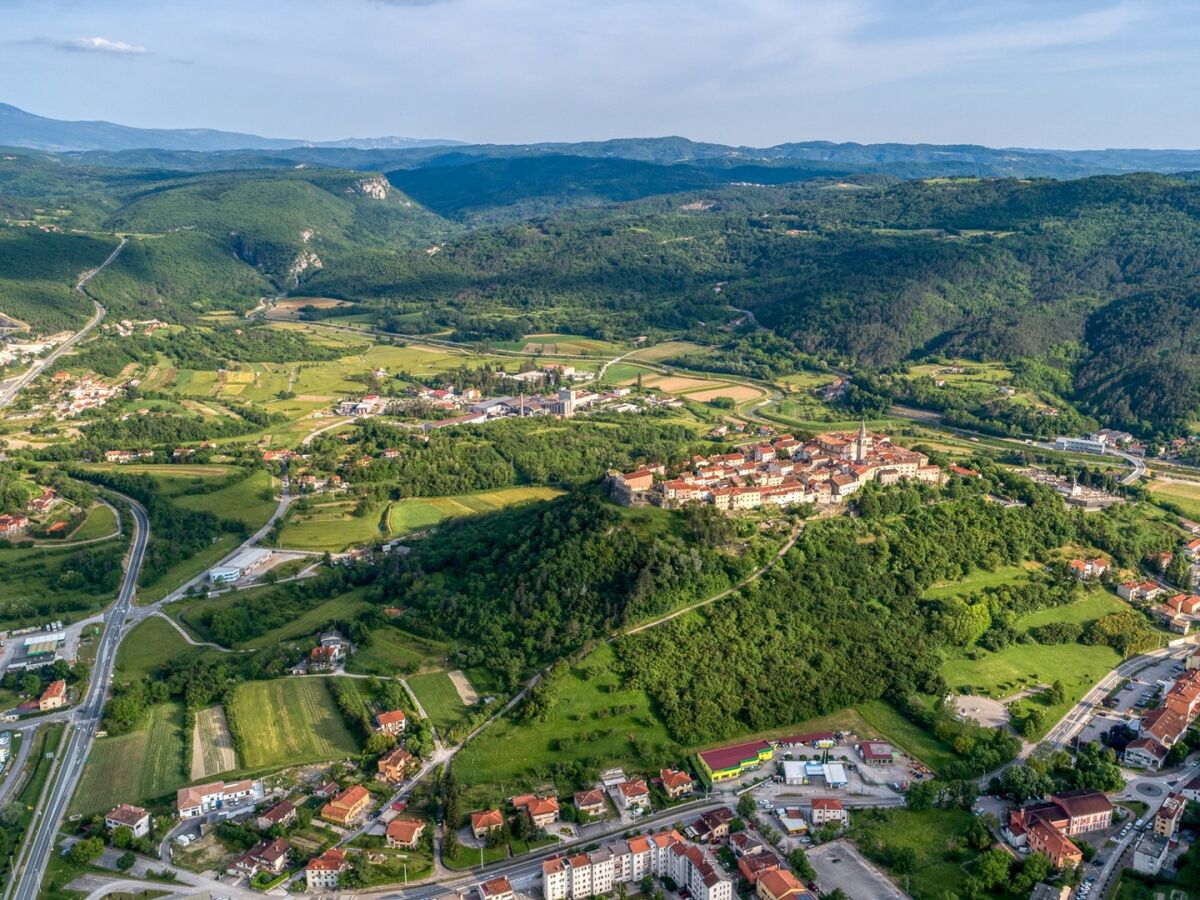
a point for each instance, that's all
(328, 789)
(348, 807)
(269, 856)
(591, 802)
(1191, 549)
(712, 826)
(1139, 591)
(1150, 853)
(675, 783)
(754, 866)
(395, 764)
(496, 889)
(405, 833)
(1145, 753)
(827, 810)
(54, 697)
(13, 523)
(44, 501)
(779, 884)
(282, 813)
(1169, 815)
(541, 811)
(324, 872)
(216, 795)
(324, 659)
(1085, 569)
(134, 818)
(485, 821)
(634, 796)
(391, 722)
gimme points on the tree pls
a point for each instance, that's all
(993, 867)
(121, 837)
(1056, 693)
(125, 861)
(798, 860)
(904, 860)
(378, 743)
(86, 850)
(920, 795)
(746, 806)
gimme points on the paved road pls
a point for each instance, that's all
(85, 717)
(10, 390)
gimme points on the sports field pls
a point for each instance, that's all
(135, 767)
(289, 721)
(439, 697)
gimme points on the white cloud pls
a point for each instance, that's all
(95, 45)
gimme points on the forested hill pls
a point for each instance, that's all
(865, 273)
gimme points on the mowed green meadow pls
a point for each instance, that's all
(289, 721)
(330, 523)
(142, 765)
(439, 698)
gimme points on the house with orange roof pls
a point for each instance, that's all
(675, 783)
(779, 884)
(405, 833)
(391, 722)
(634, 796)
(591, 802)
(348, 807)
(54, 697)
(324, 872)
(485, 821)
(542, 812)
(394, 764)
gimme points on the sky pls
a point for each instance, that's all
(1007, 73)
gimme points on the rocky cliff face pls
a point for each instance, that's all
(376, 188)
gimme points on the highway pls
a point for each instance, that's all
(84, 720)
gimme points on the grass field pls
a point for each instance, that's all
(250, 501)
(100, 523)
(289, 721)
(439, 698)
(148, 647)
(1186, 496)
(929, 834)
(578, 729)
(887, 722)
(330, 523)
(977, 581)
(406, 516)
(393, 650)
(138, 766)
(212, 745)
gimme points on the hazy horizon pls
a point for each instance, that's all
(1050, 75)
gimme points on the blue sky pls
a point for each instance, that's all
(1048, 73)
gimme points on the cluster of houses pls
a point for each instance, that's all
(1088, 569)
(689, 861)
(1161, 728)
(825, 470)
(630, 796)
(122, 457)
(86, 393)
(129, 327)
(1047, 826)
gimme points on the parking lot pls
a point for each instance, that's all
(1143, 688)
(839, 865)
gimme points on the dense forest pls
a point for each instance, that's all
(843, 614)
(525, 586)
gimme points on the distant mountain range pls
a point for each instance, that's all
(106, 143)
(23, 129)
